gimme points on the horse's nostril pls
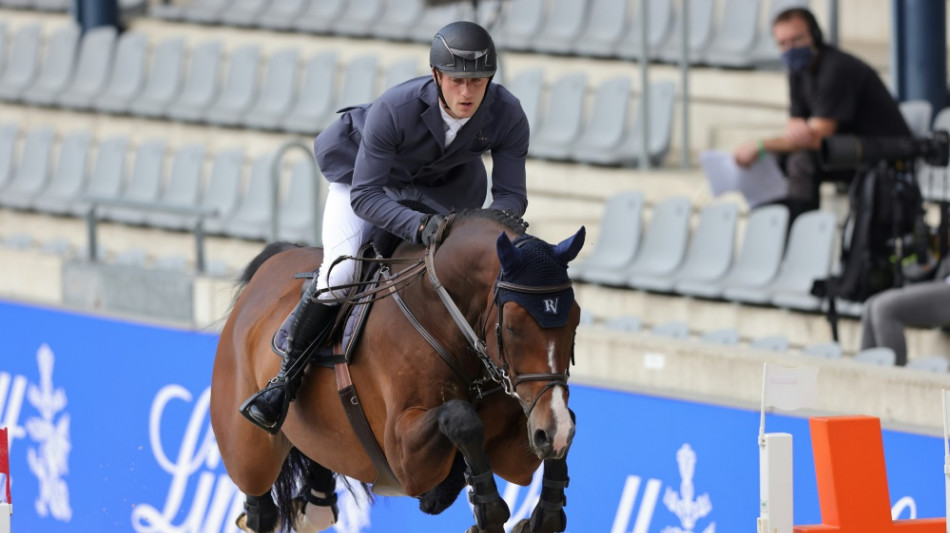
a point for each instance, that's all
(541, 438)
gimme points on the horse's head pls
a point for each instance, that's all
(537, 318)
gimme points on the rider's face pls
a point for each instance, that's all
(463, 95)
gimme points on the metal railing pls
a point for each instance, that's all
(275, 191)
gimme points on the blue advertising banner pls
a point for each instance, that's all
(109, 432)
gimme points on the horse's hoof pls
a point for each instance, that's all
(314, 518)
(522, 527)
(241, 524)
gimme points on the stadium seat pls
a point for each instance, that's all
(206, 11)
(182, 190)
(164, 79)
(201, 84)
(127, 79)
(320, 15)
(736, 35)
(877, 356)
(727, 337)
(619, 239)
(662, 97)
(828, 350)
(297, 214)
(239, 89)
(51, 5)
(358, 17)
(606, 127)
(561, 122)
(93, 66)
(664, 242)
(807, 258)
(33, 171)
(224, 186)
(3, 46)
(167, 10)
(277, 92)
(58, 67)
(397, 19)
(143, 185)
(399, 71)
(605, 26)
(434, 18)
(69, 174)
(23, 62)
(565, 22)
(359, 87)
(104, 182)
(660, 24)
(931, 363)
(772, 343)
(917, 114)
(316, 94)
(9, 132)
(527, 86)
(759, 257)
(628, 323)
(674, 330)
(244, 13)
(701, 23)
(281, 14)
(252, 218)
(520, 22)
(709, 254)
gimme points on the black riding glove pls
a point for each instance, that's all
(428, 227)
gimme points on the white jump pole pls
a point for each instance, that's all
(5, 511)
(775, 483)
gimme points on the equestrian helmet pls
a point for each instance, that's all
(463, 50)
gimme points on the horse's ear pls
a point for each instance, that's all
(508, 254)
(567, 249)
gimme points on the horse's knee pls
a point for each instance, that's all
(460, 423)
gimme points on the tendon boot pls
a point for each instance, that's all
(311, 325)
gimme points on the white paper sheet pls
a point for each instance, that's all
(762, 182)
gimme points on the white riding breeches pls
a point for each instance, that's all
(343, 234)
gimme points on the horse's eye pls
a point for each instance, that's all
(511, 331)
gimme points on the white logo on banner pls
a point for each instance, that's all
(49, 462)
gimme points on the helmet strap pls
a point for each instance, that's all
(438, 85)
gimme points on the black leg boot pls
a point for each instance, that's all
(311, 324)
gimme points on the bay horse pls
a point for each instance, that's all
(499, 406)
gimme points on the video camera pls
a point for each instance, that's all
(844, 152)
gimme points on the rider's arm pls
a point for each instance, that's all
(372, 172)
(508, 166)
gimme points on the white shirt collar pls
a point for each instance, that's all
(452, 125)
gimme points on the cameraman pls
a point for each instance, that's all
(831, 92)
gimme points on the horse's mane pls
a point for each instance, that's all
(269, 251)
(506, 219)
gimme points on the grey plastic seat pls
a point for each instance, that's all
(434, 18)
(22, 64)
(772, 343)
(69, 174)
(619, 237)
(358, 18)
(251, 219)
(628, 323)
(319, 86)
(828, 350)
(400, 71)
(662, 98)
(297, 215)
(127, 79)
(563, 26)
(143, 185)
(3, 46)
(702, 17)
(709, 254)
(9, 132)
(223, 190)
(527, 86)
(51, 5)
(562, 118)
(660, 26)
(735, 39)
(243, 13)
(201, 84)
(182, 190)
(277, 92)
(766, 53)
(93, 66)
(58, 67)
(239, 90)
(105, 181)
(606, 128)
(931, 363)
(281, 14)
(167, 11)
(759, 257)
(206, 11)
(674, 330)
(880, 355)
(320, 16)
(397, 19)
(358, 87)
(164, 79)
(33, 171)
(726, 336)
(917, 114)
(605, 26)
(807, 258)
(520, 23)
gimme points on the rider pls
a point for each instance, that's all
(420, 142)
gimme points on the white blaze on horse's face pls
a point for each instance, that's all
(564, 424)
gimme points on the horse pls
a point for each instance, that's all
(480, 390)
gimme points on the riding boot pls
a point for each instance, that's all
(311, 324)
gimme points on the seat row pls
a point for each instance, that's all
(240, 207)
(668, 257)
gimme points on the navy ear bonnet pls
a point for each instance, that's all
(531, 262)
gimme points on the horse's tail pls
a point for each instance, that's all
(269, 251)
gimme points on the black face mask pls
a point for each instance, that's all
(797, 59)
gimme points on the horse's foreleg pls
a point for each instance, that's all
(320, 510)
(460, 423)
(260, 515)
